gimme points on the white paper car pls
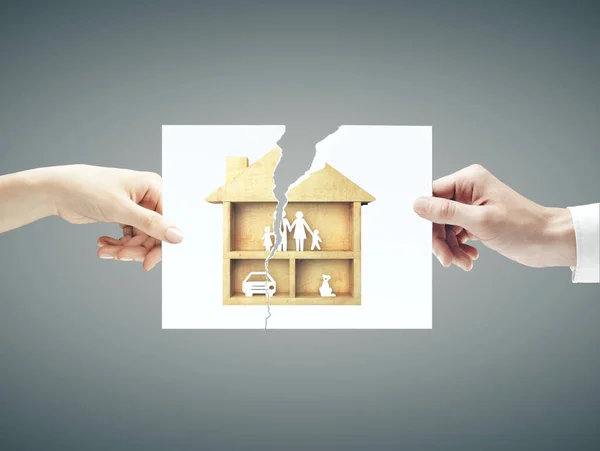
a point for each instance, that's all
(256, 283)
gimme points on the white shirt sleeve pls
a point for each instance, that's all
(586, 219)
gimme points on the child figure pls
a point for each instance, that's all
(267, 238)
(316, 239)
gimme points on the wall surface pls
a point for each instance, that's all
(512, 361)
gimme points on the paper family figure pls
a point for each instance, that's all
(285, 228)
(300, 226)
(325, 289)
(316, 240)
(267, 242)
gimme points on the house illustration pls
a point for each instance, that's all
(330, 204)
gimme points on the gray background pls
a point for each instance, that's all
(512, 360)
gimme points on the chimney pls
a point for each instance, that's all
(234, 166)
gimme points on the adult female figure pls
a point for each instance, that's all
(298, 226)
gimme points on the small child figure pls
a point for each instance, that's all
(267, 238)
(316, 240)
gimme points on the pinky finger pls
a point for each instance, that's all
(442, 251)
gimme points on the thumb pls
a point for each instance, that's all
(444, 211)
(151, 223)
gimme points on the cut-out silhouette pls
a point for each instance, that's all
(256, 283)
(325, 289)
(300, 226)
(316, 239)
(267, 242)
(285, 228)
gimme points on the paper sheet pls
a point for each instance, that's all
(391, 289)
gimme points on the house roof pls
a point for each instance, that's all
(255, 184)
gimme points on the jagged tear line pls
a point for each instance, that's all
(278, 238)
(281, 204)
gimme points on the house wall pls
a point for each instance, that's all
(297, 278)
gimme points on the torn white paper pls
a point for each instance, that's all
(357, 256)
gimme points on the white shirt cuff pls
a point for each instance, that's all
(586, 219)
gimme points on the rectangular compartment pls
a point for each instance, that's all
(309, 277)
(248, 222)
(333, 220)
(278, 269)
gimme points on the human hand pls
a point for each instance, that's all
(472, 204)
(86, 194)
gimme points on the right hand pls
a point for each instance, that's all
(87, 194)
(472, 204)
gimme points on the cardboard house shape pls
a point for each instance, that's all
(330, 203)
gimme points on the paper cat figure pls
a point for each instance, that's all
(325, 289)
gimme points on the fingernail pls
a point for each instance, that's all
(126, 259)
(420, 205)
(106, 257)
(174, 235)
(440, 260)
